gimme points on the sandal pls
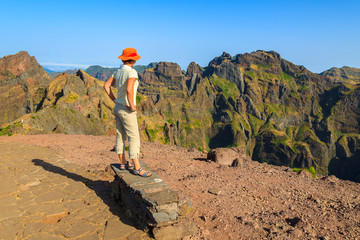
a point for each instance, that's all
(137, 172)
(126, 166)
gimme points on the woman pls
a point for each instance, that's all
(126, 80)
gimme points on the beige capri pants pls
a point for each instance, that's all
(126, 127)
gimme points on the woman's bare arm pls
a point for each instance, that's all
(107, 87)
(130, 93)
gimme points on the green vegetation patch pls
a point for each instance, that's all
(244, 123)
(255, 124)
(264, 66)
(139, 98)
(286, 76)
(71, 97)
(153, 133)
(306, 134)
(252, 74)
(229, 88)
(5, 131)
(274, 108)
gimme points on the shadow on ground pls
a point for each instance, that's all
(98, 186)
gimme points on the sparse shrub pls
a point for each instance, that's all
(153, 133)
(18, 124)
(5, 131)
(72, 97)
(310, 170)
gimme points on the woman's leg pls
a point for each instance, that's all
(120, 136)
(130, 124)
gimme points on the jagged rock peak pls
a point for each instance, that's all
(259, 57)
(226, 55)
(218, 60)
(86, 78)
(193, 69)
(168, 69)
(82, 74)
(16, 64)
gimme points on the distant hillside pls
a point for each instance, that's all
(70, 103)
(48, 70)
(348, 73)
(279, 112)
(103, 73)
(141, 68)
(71, 71)
(99, 72)
(54, 74)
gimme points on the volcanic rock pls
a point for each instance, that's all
(23, 84)
(223, 156)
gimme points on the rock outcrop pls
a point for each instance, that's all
(32, 102)
(280, 112)
(23, 85)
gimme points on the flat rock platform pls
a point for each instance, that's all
(44, 196)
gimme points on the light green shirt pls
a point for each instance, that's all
(121, 76)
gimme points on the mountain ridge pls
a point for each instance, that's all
(103, 73)
(277, 111)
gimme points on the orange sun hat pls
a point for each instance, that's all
(129, 54)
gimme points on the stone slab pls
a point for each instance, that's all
(44, 196)
(153, 202)
(175, 231)
(134, 180)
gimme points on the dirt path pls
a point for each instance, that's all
(257, 201)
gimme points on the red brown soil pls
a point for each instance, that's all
(257, 201)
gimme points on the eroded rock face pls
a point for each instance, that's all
(193, 69)
(346, 164)
(23, 84)
(32, 102)
(169, 70)
(281, 112)
(223, 67)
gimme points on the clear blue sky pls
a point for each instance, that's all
(318, 34)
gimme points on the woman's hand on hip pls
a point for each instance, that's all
(131, 108)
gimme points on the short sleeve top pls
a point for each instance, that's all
(121, 77)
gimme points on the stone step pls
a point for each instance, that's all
(153, 203)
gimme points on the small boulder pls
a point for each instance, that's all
(331, 179)
(223, 156)
(214, 191)
(305, 173)
(238, 162)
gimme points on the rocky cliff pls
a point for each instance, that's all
(279, 112)
(32, 102)
(23, 85)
